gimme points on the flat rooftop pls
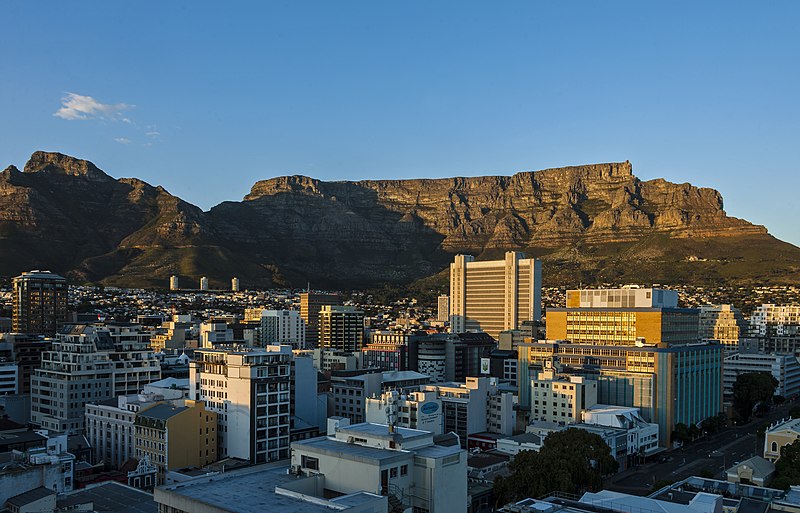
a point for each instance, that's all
(352, 452)
(249, 490)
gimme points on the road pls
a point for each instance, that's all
(711, 455)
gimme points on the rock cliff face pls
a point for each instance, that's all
(589, 223)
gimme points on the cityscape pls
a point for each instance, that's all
(414, 257)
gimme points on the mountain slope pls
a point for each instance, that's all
(590, 224)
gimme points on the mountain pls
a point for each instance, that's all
(590, 224)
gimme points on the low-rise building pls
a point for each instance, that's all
(349, 393)
(779, 434)
(173, 437)
(403, 464)
(755, 470)
(785, 368)
(561, 398)
(642, 435)
(50, 466)
(413, 410)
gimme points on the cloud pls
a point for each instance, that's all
(153, 133)
(123, 140)
(78, 107)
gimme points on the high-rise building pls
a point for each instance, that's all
(235, 284)
(341, 327)
(669, 384)
(282, 327)
(450, 356)
(203, 283)
(173, 283)
(88, 364)
(310, 305)
(493, 296)
(722, 323)
(40, 302)
(623, 317)
(251, 391)
(26, 351)
(443, 313)
(785, 368)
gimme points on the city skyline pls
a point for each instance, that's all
(686, 93)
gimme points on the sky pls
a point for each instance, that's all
(207, 98)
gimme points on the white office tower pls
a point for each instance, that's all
(250, 390)
(235, 284)
(282, 327)
(89, 364)
(203, 283)
(173, 283)
(494, 296)
(413, 410)
(443, 313)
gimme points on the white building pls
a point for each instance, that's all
(203, 283)
(50, 466)
(109, 424)
(414, 410)
(250, 390)
(642, 435)
(629, 296)
(89, 364)
(173, 283)
(561, 398)
(477, 406)
(494, 296)
(769, 319)
(403, 464)
(784, 368)
(213, 333)
(282, 327)
(349, 393)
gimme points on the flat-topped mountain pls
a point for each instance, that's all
(590, 224)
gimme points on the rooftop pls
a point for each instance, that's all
(785, 424)
(254, 490)
(112, 496)
(30, 496)
(162, 411)
(352, 452)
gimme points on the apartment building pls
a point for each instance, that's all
(341, 327)
(724, 324)
(39, 303)
(349, 393)
(88, 364)
(561, 398)
(250, 390)
(310, 305)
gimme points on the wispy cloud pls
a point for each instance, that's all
(123, 140)
(79, 107)
(153, 133)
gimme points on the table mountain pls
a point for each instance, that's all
(591, 224)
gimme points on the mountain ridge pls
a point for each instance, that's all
(590, 223)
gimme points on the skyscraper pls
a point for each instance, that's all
(310, 305)
(341, 327)
(235, 284)
(443, 315)
(496, 295)
(203, 283)
(173, 283)
(40, 302)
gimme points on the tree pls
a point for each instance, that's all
(794, 412)
(569, 461)
(787, 467)
(752, 389)
(681, 433)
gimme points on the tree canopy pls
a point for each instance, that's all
(787, 467)
(571, 461)
(751, 389)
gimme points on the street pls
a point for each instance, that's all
(709, 456)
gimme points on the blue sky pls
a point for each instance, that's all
(207, 98)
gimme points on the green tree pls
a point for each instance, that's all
(569, 461)
(751, 389)
(787, 467)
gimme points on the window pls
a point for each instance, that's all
(309, 463)
(774, 447)
(393, 472)
(403, 470)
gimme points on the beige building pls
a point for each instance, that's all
(781, 433)
(494, 296)
(722, 323)
(561, 399)
(310, 305)
(175, 437)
